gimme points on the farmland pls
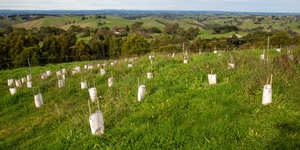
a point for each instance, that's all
(244, 22)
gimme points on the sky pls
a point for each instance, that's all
(284, 6)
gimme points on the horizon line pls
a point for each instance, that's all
(148, 10)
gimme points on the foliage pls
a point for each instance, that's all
(107, 41)
(135, 45)
(136, 27)
(155, 30)
(225, 29)
(168, 48)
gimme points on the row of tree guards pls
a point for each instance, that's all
(96, 118)
(18, 83)
(278, 49)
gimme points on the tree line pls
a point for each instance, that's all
(54, 45)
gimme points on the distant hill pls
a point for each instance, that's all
(204, 20)
(147, 12)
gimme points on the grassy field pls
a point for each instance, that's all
(180, 110)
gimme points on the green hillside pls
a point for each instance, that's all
(180, 110)
(110, 22)
(206, 23)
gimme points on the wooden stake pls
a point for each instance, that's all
(98, 104)
(89, 107)
(14, 82)
(29, 65)
(231, 58)
(271, 79)
(39, 90)
(183, 48)
(32, 91)
(268, 43)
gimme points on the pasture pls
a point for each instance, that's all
(180, 110)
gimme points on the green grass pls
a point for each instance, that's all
(59, 22)
(180, 110)
(208, 34)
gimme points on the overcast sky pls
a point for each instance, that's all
(219, 5)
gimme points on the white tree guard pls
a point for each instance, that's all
(173, 54)
(185, 61)
(23, 80)
(230, 65)
(102, 71)
(18, 83)
(93, 94)
(212, 78)
(61, 83)
(13, 91)
(278, 50)
(29, 84)
(58, 73)
(83, 85)
(10, 82)
(38, 100)
(90, 67)
(262, 56)
(151, 57)
(97, 123)
(110, 81)
(215, 51)
(77, 69)
(44, 76)
(129, 65)
(141, 92)
(267, 95)
(150, 75)
(29, 77)
(63, 71)
(48, 72)
(74, 72)
(85, 66)
(63, 77)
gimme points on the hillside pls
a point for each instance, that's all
(180, 110)
(205, 22)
